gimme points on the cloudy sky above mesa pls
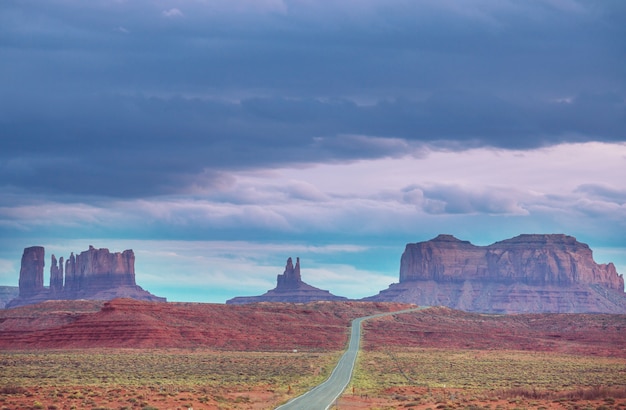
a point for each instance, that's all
(218, 138)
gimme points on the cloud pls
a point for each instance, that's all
(156, 146)
(603, 192)
(277, 83)
(303, 120)
(172, 13)
(454, 199)
(345, 198)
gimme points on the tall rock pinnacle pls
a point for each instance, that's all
(289, 288)
(56, 275)
(290, 278)
(31, 271)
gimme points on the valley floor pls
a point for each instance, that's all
(180, 356)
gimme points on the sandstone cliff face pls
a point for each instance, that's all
(289, 288)
(540, 260)
(550, 260)
(443, 259)
(97, 269)
(31, 271)
(95, 274)
(528, 273)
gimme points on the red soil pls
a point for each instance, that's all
(440, 327)
(139, 324)
(312, 326)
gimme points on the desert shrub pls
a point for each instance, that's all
(12, 390)
(593, 393)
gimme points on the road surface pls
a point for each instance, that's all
(324, 395)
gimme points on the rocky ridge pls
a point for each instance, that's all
(528, 273)
(126, 323)
(317, 326)
(94, 274)
(289, 288)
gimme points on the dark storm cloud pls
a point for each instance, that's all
(137, 98)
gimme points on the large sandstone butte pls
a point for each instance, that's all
(94, 274)
(528, 273)
(289, 288)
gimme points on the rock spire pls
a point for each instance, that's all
(31, 271)
(289, 288)
(94, 274)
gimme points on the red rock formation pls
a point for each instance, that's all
(290, 278)
(31, 271)
(289, 288)
(528, 273)
(549, 260)
(95, 274)
(442, 259)
(128, 323)
(531, 259)
(70, 280)
(56, 275)
(98, 269)
(318, 326)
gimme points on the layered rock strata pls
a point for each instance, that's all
(289, 288)
(528, 273)
(94, 274)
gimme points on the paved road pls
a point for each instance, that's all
(324, 395)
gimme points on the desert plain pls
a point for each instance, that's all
(127, 354)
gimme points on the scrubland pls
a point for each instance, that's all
(161, 379)
(472, 379)
(60, 356)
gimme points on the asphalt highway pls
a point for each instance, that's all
(324, 395)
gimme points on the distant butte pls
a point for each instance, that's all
(95, 274)
(289, 288)
(527, 274)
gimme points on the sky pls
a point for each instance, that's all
(217, 138)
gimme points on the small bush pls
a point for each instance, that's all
(12, 390)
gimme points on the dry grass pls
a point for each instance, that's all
(431, 376)
(162, 379)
